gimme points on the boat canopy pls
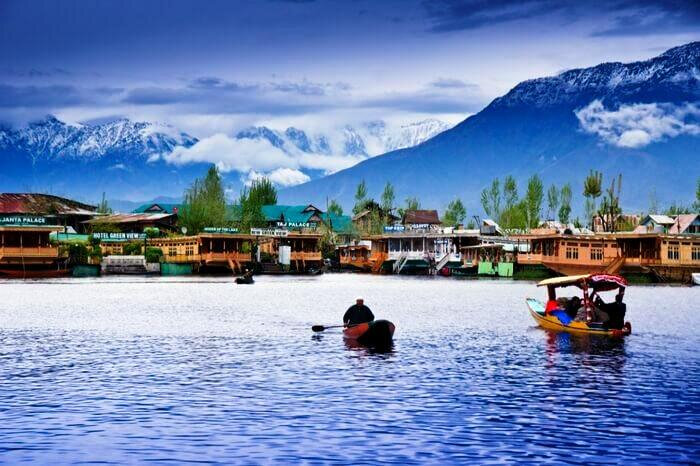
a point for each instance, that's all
(597, 281)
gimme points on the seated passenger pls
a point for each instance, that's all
(573, 306)
(616, 311)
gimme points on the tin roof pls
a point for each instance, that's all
(128, 218)
(158, 207)
(421, 216)
(42, 204)
(682, 222)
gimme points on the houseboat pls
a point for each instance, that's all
(419, 251)
(27, 252)
(662, 256)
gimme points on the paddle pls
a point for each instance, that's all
(321, 328)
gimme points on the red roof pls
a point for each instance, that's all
(41, 204)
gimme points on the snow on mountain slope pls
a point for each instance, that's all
(51, 138)
(367, 139)
(676, 70)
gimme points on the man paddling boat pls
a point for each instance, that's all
(358, 313)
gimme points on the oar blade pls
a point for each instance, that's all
(318, 328)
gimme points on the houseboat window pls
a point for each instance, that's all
(571, 253)
(584, 245)
(695, 253)
(189, 250)
(597, 254)
(172, 251)
(673, 252)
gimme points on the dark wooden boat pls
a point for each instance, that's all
(375, 333)
(245, 280)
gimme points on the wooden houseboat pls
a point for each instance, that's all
(226, 250)
(355, 256)
(27, 252)
(669, 257)
(420, 251)
(283, 251)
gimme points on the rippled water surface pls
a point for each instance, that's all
(200, 369)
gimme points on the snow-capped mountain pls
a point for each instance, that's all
(674, 75)
(129, 159)
(368, 139)
(639, 119)
(51, 138)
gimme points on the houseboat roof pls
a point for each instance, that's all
(129, 218)
(42, 204)
(429, 217)
(682, 222)
(158, 207)
(426, 234)
(23, 228)
(658, 219)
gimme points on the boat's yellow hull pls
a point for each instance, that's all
(551, 322)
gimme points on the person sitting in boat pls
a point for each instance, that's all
(358, 313)
(572, 307)
(614, 312)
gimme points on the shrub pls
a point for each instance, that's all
(153, 255)
(131, 249)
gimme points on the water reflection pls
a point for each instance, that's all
(354, 345)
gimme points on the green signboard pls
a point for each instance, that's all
(23, 220)
(220, 230)
(119, 236)
(310, 225)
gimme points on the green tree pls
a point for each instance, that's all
(103, 207)
(508, 215)
(592, 189)
(533, 200)
(263, 191)
(454, 214)
(251, 201)
(388, 197)
(204, 203)
(565, 204)
(552, 202)
(696, 205)
(677, 209)
(411, 203)
(491, 199)
(360, 197)
(334, 208)
(610, 210)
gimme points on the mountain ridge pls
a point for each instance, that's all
(534, 128)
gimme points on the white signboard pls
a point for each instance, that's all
(274, 232)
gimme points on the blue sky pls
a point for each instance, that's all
(216, 66)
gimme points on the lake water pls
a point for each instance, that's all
(200, 369)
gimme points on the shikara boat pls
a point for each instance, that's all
(549, 316)
(377, 332)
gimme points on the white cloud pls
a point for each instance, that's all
(231, 154)
(245, 155)
(281, 177)
(638, 125)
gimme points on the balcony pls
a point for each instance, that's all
(306, 256)
(46, 252)
(225, 257)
